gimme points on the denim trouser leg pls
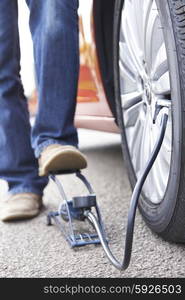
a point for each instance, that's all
(18, 165)
(54, 28)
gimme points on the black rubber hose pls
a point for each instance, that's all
(133, 206)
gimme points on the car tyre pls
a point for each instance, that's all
(166, 217)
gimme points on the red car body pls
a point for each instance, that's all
(93, 110)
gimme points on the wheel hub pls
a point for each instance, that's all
(148, 92)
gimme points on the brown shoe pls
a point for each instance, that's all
(20, 206)
(61, 158)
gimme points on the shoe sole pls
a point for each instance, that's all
(8, 216)
(63, 160)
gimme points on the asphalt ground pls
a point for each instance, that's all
(32, 249)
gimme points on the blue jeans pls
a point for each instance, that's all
(54, 29)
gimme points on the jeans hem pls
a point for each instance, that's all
(25, 190)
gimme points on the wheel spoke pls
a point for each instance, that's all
(159, 183)
(167, 142)
(147, 6)
(126, 65)
(132, 48)
(131, 114)
(160, 66)
(162, 85)
(149, 28)
(135, 135)
(160, 73)
(156, 176)
(161, 166)
(145, 143)
(126, 73)
(131, 99)
(134, 28)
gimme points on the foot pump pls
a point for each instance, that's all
(85, 208)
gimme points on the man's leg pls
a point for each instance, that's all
(18, 165)
(54, 28)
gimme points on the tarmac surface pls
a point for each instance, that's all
(32, 249)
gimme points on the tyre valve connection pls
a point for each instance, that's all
(161, 104)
